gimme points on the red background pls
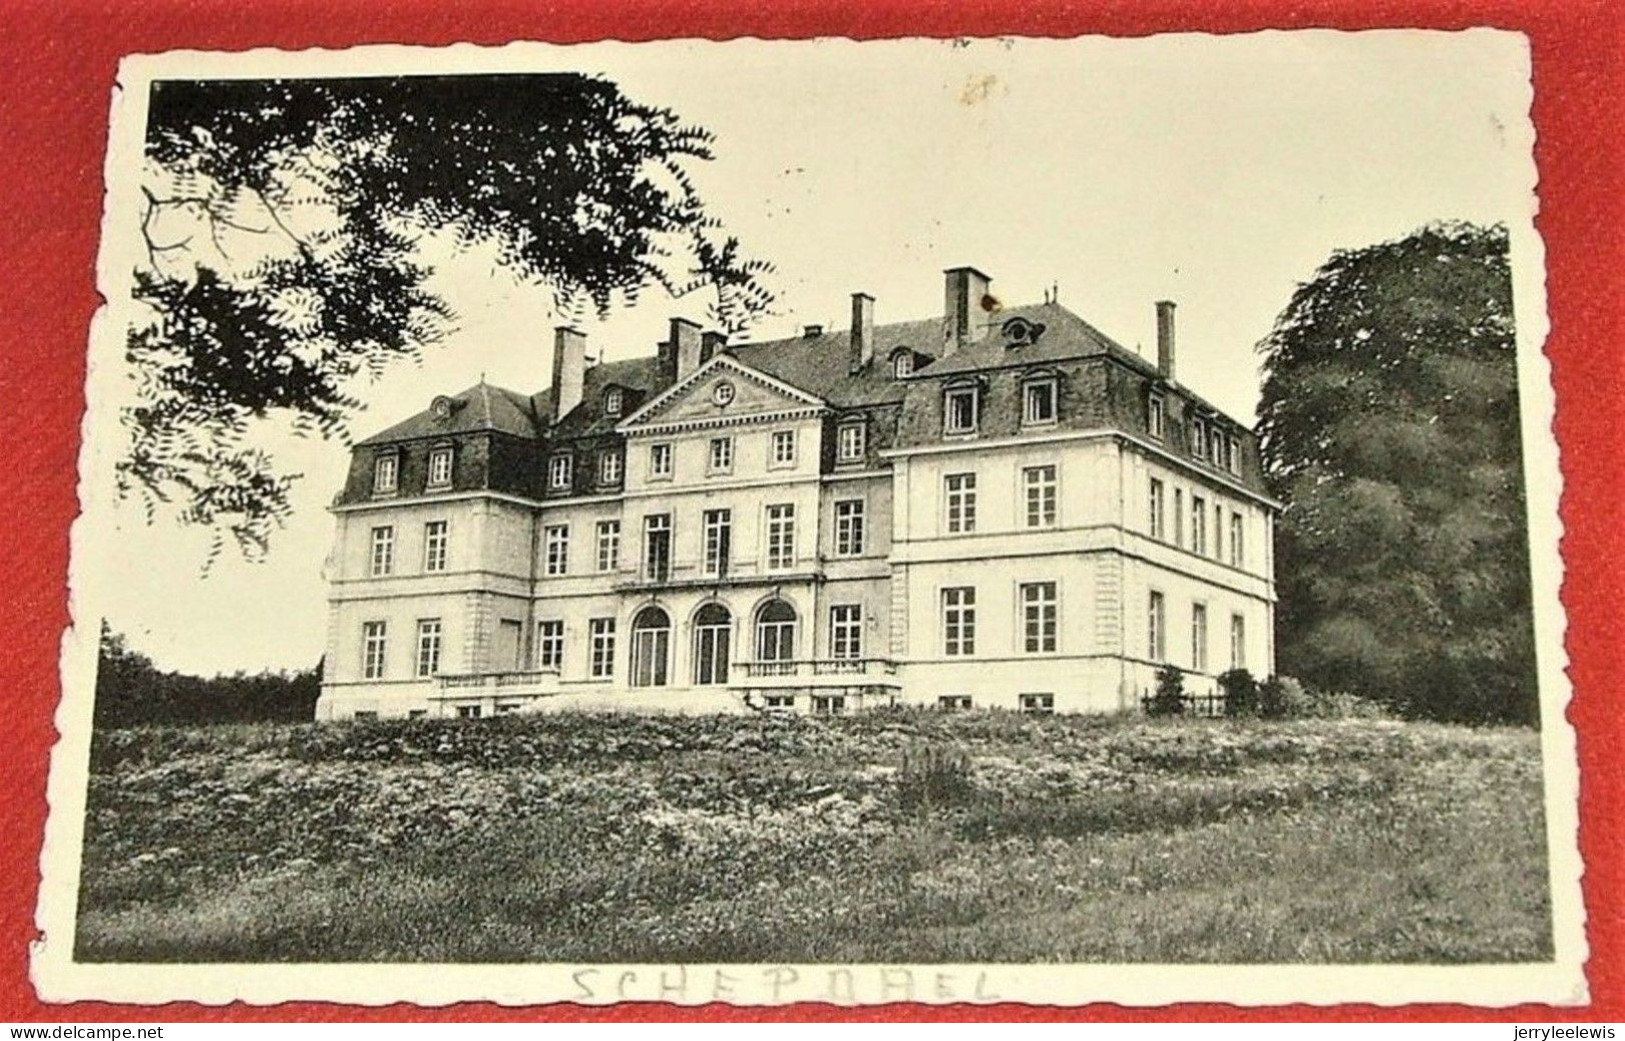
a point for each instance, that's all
(59, 60)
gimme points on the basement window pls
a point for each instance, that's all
(1038, 704)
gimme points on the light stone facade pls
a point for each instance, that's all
(1015, 565)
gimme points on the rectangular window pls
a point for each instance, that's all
(428, 646)
(961, 502)
(849, 443)
(1038, 704)
(721, 459)
(1154, 511)
(829, 704)
(959, 621)
(781, 537)
(959, 411)
(1237, 557)
(1215, 447)
(364, 715)
(602, 646)
(718, 541)
(846, 631)
(1157, 628)
(849, 528)
(1218, 532)
(550, 644)
(660, 461)
(1038, 482)
(609, 545)
(558, 472)
(1179, 517)
(1038, 617)
(1198, 438)
(1199, 525)
(1238, 642)
(657, 547)
(469, 712)
(374, 642)
(386, 474)
(435, 541)
(953, 702)
(1038, 402)
(1233, 457)
(1156, 416)
(1199, 637)
(609, 468)
(383, 551)
(779, 702)
(416, 713)
(505, 708)
(439, 467)
(784, 449)
(556, 540)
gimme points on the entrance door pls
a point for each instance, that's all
(711, 628)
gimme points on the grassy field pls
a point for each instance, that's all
(896, 837)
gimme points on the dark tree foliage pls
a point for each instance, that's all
(1390, 429)
(132, 691)
(285, 223)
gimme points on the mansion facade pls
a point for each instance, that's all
(993, 507)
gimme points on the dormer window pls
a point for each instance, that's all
(612, 401)
(903, 364)
(1156, 416)
(849, 442)
(1233, 457)
(1215, 447)
(609, 467)
(386, 470)
(440, 467)
(1198, 436)
(559, 470)
(959, 407)
(1038, 401)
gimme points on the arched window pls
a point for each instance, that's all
(651, 647)
(776, 632)
(902, 364)
(712, 624)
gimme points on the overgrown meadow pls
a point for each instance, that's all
(892, 837)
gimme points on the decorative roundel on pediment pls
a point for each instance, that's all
(722, 393)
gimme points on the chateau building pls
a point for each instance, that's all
(994, 507)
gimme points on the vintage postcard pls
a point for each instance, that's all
(996, 520)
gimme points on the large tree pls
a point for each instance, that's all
(1390, 430)
(289, 226)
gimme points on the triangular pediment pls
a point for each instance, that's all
(723, 390)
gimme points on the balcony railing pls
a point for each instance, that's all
(465, 685)
(810, 668)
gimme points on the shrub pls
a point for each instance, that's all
(1169, 699)
(1240, 694)
(934, 776)
(1283, 697)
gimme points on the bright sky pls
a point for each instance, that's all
(1215, 171)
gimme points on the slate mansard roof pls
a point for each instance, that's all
(819, 364)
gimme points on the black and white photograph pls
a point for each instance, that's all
(925, 520)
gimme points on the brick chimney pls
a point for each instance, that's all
(686, 345)
(712, 344)
(965, 290)
(1165, 338)
(569, 369)
(863, 331)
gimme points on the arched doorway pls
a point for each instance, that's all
(712, 627)
(651, 647)
(775, 632)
